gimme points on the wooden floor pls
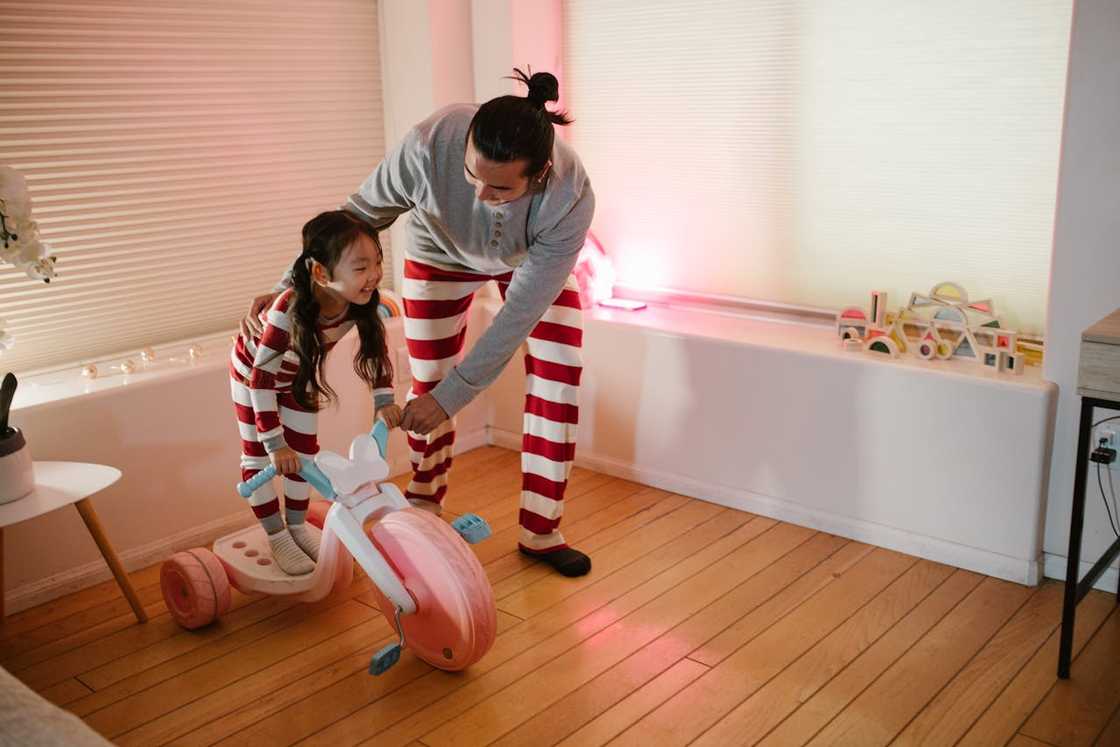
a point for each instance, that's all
(699, 625)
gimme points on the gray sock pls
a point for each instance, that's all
(288, 555)
(307, 540)
(273, 523)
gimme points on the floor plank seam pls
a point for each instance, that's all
(869, 646)
(764, 601)
(373, 646)
(889, 664)
(824, 637)
(793, 609)
(155, 610)
(682, 622)
(964, 665)
(1107, 722)
(591, 612)
(649, 551)
(1011, 680)
(654, 600)
(155, 643)
(209, 693)
(204, 663)
(638, 559)
(1056, 682)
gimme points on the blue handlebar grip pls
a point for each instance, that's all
(317, 479)
(309, 472)
(380, 434)
(245, 489)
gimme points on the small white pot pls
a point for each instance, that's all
(17, 477)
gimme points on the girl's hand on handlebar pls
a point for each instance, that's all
(286, 461)
(391, 414)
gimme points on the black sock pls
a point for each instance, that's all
(567, 561)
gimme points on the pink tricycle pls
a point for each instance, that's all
(430, 585)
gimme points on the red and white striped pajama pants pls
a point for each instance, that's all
(301, 435)
(436, 303)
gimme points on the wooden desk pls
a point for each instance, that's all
(1098, 384)
(60, 484)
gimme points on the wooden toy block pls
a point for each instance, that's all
(851, 323)
(882, 344)
(878, 308)
(950, 292)
(986, 338)
(967, 347)
(984, 307)
(943, 324)
(951, 314)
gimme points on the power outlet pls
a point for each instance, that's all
(1106, 435)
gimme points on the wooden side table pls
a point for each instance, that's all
(59, 484)
(1098, 384)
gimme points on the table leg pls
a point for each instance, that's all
(1076, 525)
(89, 516)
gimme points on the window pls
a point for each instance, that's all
(809, 151)
(173, 151)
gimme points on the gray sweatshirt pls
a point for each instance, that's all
(538, 236)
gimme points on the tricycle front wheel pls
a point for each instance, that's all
(456, 618)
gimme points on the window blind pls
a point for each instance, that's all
(173, 151)
(809, 151)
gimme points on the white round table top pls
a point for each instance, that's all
(58, 484)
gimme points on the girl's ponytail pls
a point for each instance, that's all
(310, 385)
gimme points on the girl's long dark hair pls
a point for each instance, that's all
(325, 239)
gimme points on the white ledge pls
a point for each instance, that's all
(777, 331)
(171, 363)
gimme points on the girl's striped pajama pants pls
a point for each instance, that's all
(436, 303)
(300, 433)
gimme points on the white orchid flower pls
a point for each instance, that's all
(19, 234)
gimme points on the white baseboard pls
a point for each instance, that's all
(475, 439)
(75, 579)
(72, 580)
(1055, 567)
(970, 558)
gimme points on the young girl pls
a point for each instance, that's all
(277, 376)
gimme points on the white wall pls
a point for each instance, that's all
(1085, 274)
(427, 58)
(515, 33)
(492, 41)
